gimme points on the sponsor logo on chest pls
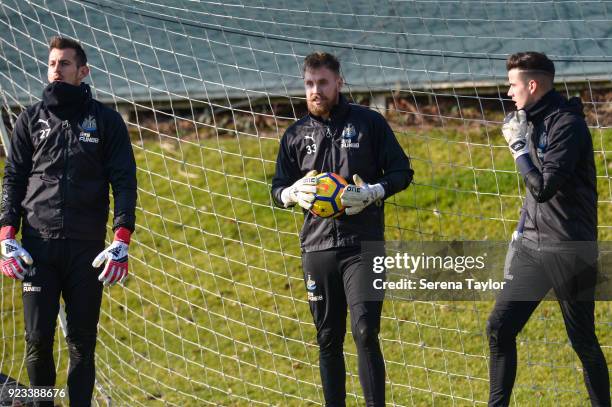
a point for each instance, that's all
(88, 126)
(349, 137)
(44, 133)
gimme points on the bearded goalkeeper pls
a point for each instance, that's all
(356, 143)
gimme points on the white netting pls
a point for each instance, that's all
(216, 310)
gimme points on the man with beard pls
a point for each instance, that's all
(555, 245)
(356, 143)
(64, 153)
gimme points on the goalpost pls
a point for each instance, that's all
(215, 310)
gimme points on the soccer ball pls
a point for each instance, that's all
(327, 199)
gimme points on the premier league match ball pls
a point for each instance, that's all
(327, 199)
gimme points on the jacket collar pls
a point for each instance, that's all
(549, 103)
(66, 101)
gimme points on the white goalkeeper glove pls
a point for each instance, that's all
(302, 192)
(517, 130)
(357, 197)
(116, 258)
(15, 259)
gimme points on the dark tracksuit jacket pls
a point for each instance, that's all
(63, 155)
(561, 201)
(355, 140)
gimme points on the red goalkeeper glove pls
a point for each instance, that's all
(116, 258)
(15, 259)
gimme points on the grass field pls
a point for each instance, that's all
(216, 312)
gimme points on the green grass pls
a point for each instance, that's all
(216, 311)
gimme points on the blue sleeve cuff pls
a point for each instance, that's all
(524, 164)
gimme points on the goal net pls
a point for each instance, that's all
(215, 311)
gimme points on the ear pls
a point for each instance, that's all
(533, 86)
(340, 82)
(83, 72)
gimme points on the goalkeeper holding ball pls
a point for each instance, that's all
(64, 153)
(555, 246)
(355, 143)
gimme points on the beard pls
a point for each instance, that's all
(323, 108)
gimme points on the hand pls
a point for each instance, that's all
(302, 192)
(116, 257)
(15, 259)
(357, 197)
(516, 130)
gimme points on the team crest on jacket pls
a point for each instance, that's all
(349, 137)
(542, 144)
(88, 126)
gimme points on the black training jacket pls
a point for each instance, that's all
(561, 202)
(355, 140)
(64, 153)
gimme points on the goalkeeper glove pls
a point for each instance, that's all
(13, 255)
(302, 192)
(516, 130)
(116, 257)
(357, 197)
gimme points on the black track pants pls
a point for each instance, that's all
(334, 279)
(62, 267)
(535, 273)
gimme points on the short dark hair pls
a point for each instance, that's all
(318, 60)
(63, 43)
(535, 62)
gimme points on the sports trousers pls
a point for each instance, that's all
(571, 274)
(334, 280)
(62, 267)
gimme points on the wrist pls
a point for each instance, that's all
(7, 232)
(524, 163)
(123, 235)
(379, 191)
